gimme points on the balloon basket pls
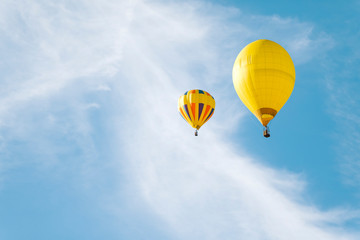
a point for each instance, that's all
(266, 132)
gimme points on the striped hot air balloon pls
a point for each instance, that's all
(196, 107)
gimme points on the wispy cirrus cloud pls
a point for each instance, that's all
(341, 82)
(343, 108)
(99, 87)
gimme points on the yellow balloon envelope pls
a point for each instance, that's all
(264, 77)
(196, 107)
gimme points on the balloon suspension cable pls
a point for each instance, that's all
(196, 132)
(266, 132)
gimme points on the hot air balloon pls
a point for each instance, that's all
(264, 77)
(196, 107)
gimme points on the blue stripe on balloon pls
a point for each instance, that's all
(187, 111)
(212, 110)
(201, 106)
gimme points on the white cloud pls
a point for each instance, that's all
(342, 86)
(343, 108)
(148, 54)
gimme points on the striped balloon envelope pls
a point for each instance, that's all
(196, 107)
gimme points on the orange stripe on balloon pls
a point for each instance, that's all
(212, 113)
(182, 113)
(206, 112)
(192, 105)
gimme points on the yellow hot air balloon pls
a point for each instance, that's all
(196, 107)
(264, 77)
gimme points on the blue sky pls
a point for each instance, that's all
(92, 145)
